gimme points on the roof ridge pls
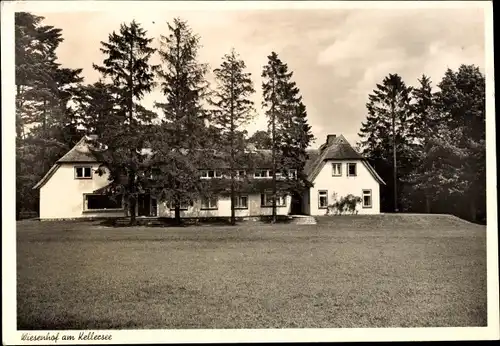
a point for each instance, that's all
(69, 151)
(75, 155)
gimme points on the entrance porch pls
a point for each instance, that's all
(147, 205)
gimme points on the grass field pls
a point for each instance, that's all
(353, 271)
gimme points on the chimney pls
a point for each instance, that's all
(330, 139)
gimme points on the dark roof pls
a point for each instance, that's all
(337, 149)
(342, 151)
(313, 155)
(218, 186)
(81, 153)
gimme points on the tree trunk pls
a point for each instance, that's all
(130, 114)
(231, 164)
(44, 134)
(394, 159)
(132, 205)
(427, 204)
(273, 134)
(177, 216)
(233, 213)
(19, 123)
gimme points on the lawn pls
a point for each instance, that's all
(352, 271)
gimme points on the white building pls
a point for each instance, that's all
(72, 188)
(337, 170)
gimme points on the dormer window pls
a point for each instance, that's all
(83, 172)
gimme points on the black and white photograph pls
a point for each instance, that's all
(220, 171)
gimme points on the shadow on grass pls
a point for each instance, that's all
(187, 222)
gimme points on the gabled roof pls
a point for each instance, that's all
(373, 172)
(313, 155)
(338, 148)
(81, 153)
(47, 176)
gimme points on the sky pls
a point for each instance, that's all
(337, 55)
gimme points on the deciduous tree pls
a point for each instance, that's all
(261, 140)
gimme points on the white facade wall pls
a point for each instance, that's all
(344, 185)
(224, 208)
(62, 196)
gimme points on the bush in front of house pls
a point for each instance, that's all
(344, 205)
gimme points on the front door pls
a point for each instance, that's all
(144, 204)
(296, 207)
(154, 206)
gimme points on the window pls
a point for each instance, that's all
(292, 174)
(209, 203)
(351, 169)
(241, 202)
(263, 173)
(367, 198)
(240, 174)
(103, 202)
(336, 169)
(210, 173)
(183, 206)
(83, 172)
(266, 200)
(322, 199)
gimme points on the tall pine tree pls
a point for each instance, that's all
(44, 117)
(95, 107)
(295, 137)
(233, 109)
(183, 132)
(127, 132)
(421, 182)
(386, 135)
(287, 124)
